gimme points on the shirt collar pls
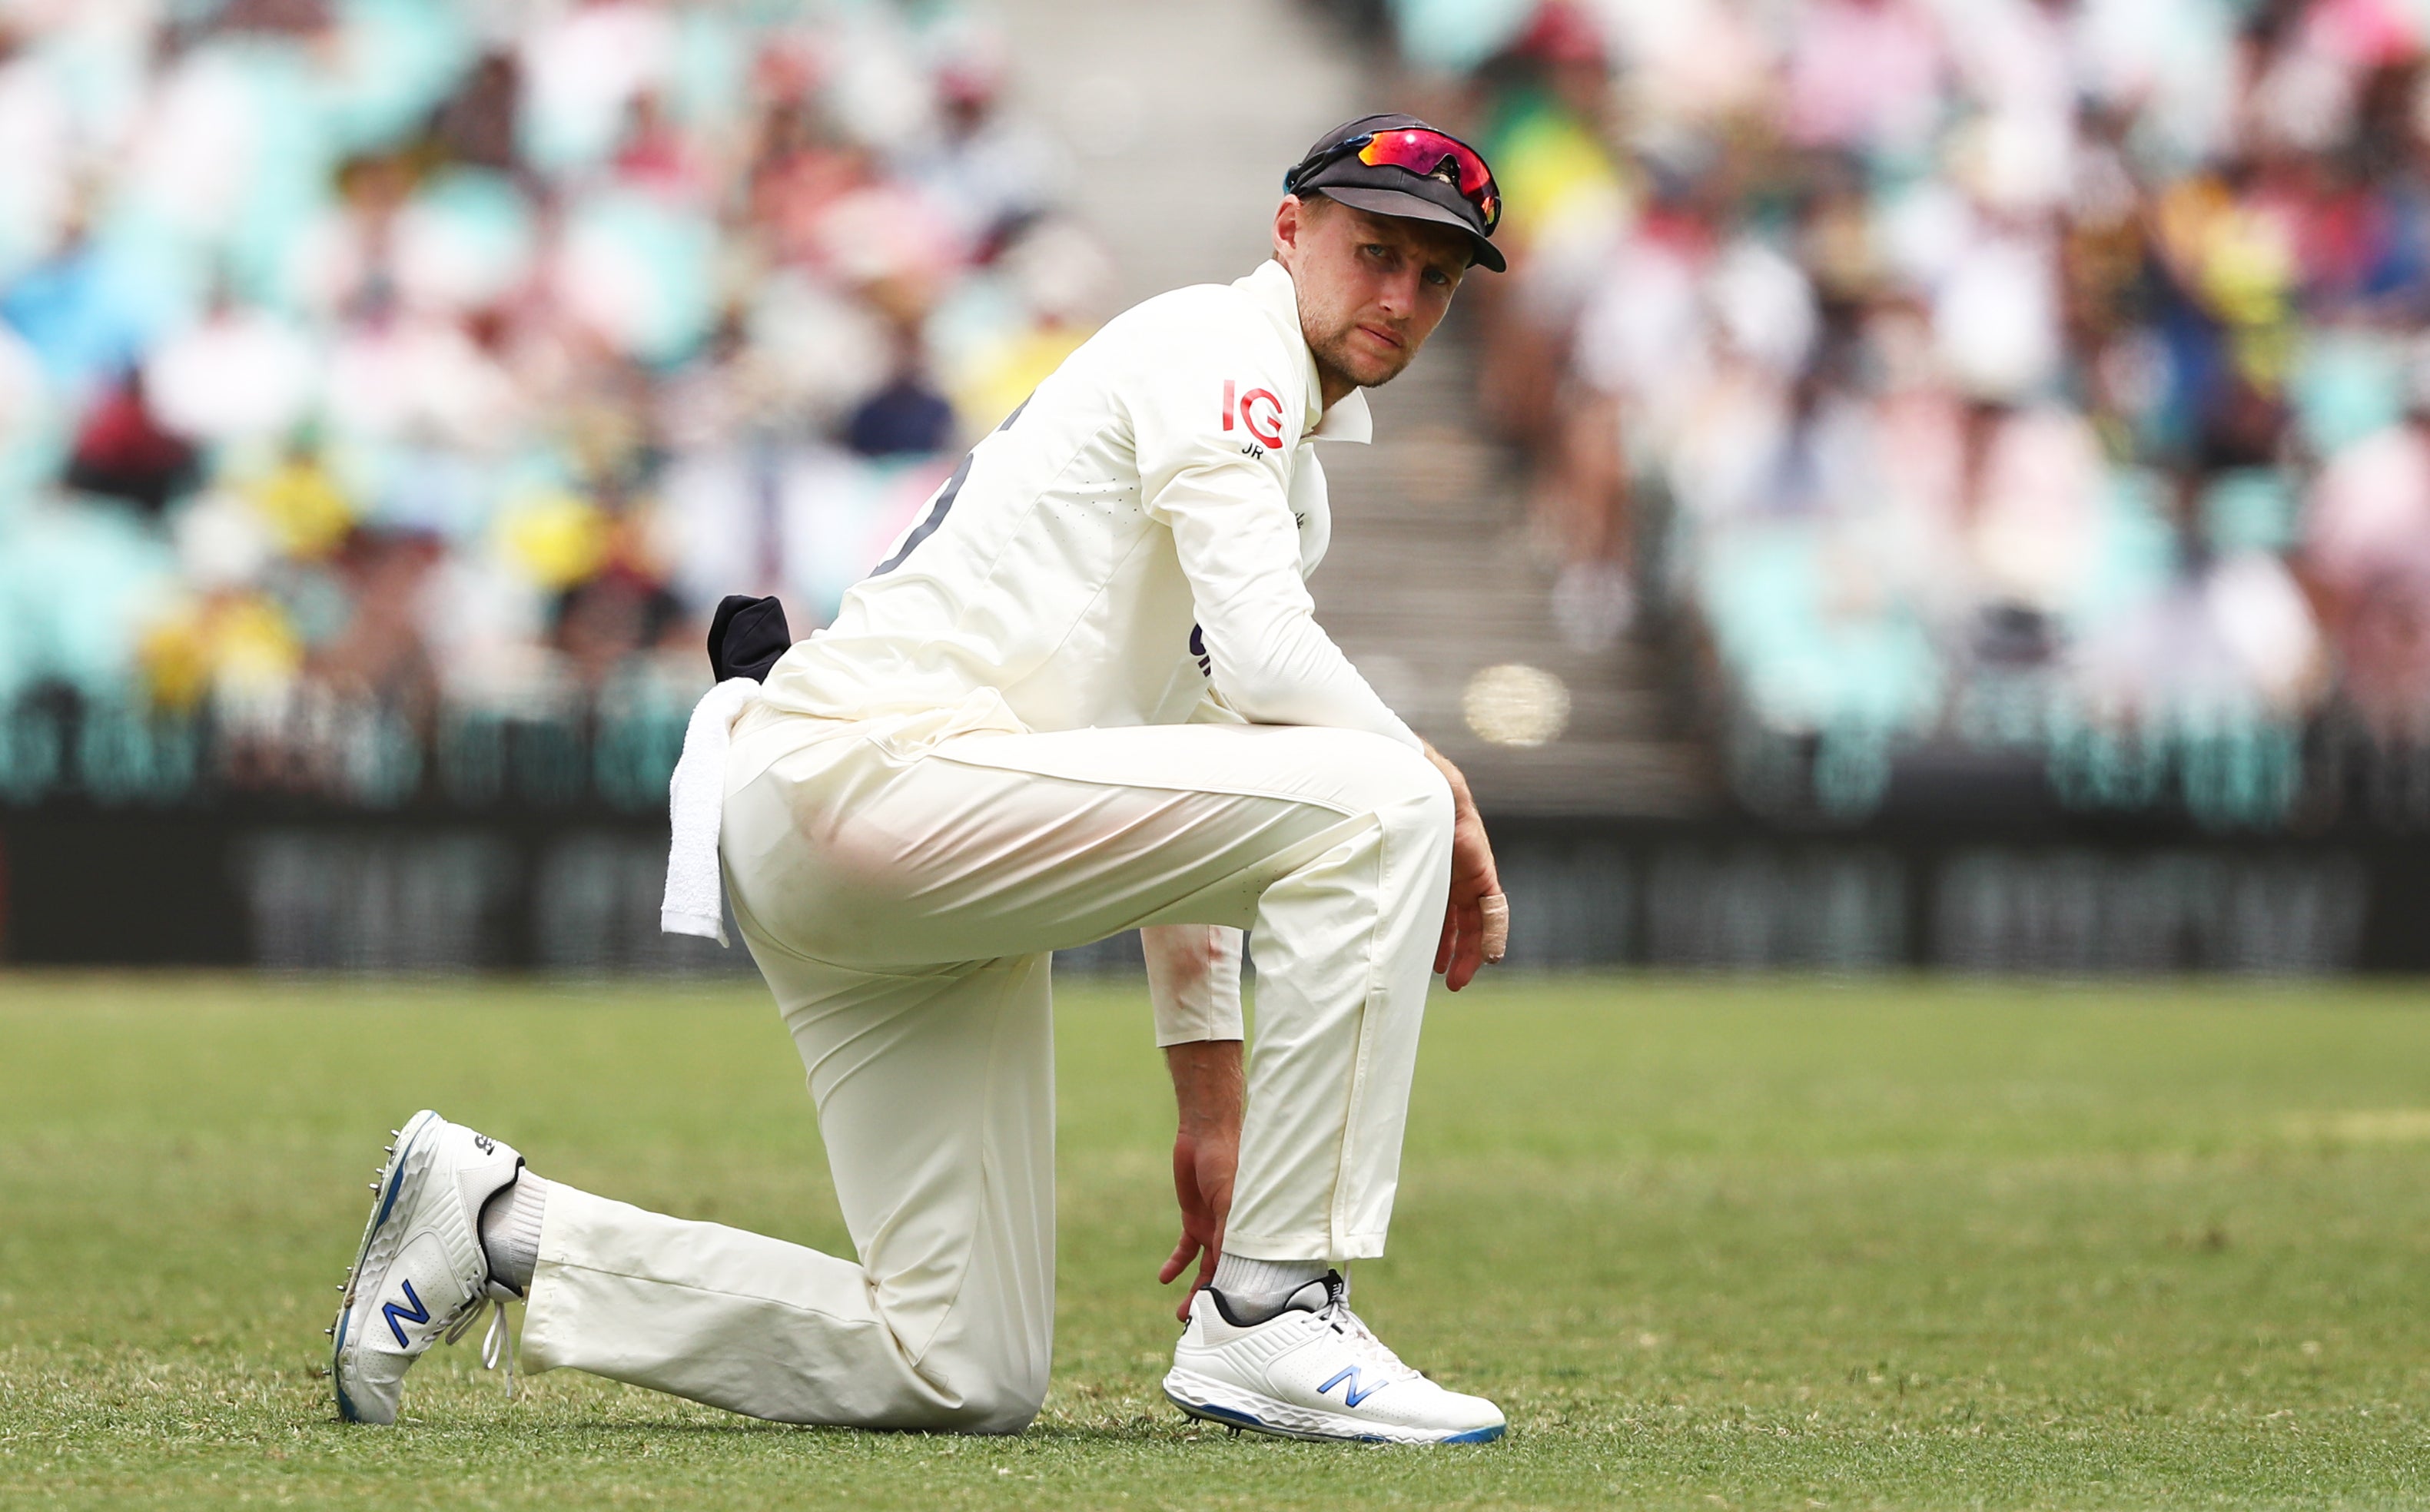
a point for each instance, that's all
(1271, 286)
(1348, 421)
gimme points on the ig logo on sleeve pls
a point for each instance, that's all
(1259, 413)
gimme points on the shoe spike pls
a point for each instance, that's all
(373, 1184)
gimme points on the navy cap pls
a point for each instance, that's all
(1387, 190)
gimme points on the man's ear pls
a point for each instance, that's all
(1290, 220)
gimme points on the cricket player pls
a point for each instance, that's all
(1084, 693)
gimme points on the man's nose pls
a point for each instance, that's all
(1400, 295)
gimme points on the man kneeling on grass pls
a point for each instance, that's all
(1085, 694)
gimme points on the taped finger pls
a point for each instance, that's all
(1497, 925)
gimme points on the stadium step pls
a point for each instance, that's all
(1181, 119)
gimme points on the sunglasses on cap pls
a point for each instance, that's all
(1417, 150)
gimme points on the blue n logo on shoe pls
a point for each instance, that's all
(421, 1315)
(1351, 1395)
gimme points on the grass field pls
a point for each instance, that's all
(1771, 1244)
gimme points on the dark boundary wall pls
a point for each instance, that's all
(1718, 898)
(578, 892)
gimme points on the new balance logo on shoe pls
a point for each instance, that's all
(1351, 1395)
(421, 1315)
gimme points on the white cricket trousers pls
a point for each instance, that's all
(901, 890)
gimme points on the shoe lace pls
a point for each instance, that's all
(1362, 1339)
(497, 1343)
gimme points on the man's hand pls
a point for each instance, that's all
(1207, 1089)
(1473, 880)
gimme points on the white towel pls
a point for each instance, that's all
(695, 900)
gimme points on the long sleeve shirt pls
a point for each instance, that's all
(1135, 536)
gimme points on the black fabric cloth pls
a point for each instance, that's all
(746, 637)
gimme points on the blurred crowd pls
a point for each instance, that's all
(1975, 369)
(415, 355)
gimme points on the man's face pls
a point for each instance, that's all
(1371, 287)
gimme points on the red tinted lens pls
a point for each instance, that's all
(1424, 151)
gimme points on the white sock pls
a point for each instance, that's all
(1257, 1288)
(510, 1231)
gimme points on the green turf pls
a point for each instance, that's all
(1762, 1244)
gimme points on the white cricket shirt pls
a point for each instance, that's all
(1133, 540)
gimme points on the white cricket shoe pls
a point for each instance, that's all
(1313, 1371)
(421, 1271)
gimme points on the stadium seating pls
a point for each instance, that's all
(2008, 377)
(382, 381)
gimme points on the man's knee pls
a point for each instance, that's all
(1007, 1409)
(992, 1400)
(989, 1365)
(1403, 790)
